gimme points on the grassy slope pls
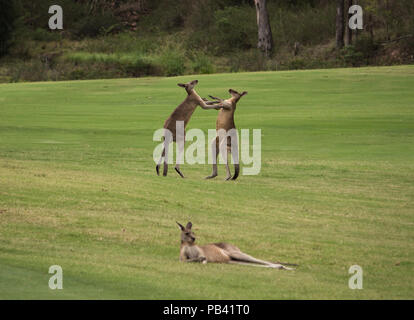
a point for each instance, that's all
(78, 188)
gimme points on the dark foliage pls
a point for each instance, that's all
(8, 15)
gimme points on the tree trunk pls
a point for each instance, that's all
(265, 41)
(348, 32)
(339, 24)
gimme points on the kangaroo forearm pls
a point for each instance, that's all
(198, 259)
(206, 104)
(223, 103)
(213, 105)
(210, 105)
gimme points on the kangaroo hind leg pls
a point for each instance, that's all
(166, 147)
(224, 154)
(157, 167)
(245, 258)
(234, 149)
(214, 153)
(180, 153)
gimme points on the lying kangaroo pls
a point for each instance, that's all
(225, 121)
(182, 113)
(218, 252)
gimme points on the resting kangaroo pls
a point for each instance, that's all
(182, 113)
(225, 120)
(218, 252)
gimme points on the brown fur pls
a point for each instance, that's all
(217, 252)
(183, 112)
(225, 120)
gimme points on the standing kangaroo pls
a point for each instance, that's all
(225, 121)
(182, 113)
(218, 252)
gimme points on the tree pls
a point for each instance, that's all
(339, 24)
(7, 18)
(265, 40)
(348, 33)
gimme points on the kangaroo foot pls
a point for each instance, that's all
(227, 178)
(281, 267)
(234, 178)
(212, 176)
(179, 172)
(157, 168)
(287, 264)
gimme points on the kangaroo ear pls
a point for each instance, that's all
(181, 85)
(181, 226)
(243, 94)
(189, 225)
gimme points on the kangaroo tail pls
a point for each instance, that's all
(252, 264)
(236, 171)
(157, 167)
(287, 264)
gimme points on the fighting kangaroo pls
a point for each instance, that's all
(218, 252)
(225, 125)
(182, 113)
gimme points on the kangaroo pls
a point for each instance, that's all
(225, 121)
(218, 252)
(182, 113)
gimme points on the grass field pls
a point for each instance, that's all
(78, 188)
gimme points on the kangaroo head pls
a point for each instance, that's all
(187, 236)
(236, 96)
(189, 86)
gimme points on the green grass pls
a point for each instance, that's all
(78, 188)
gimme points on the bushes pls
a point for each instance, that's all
(235, 29)
(123, 42)
(172, 62)
(250, 60)
(201, 64)
(169, 61)
(166, 16)
(366, 46)
(232, 29)
(94, 25)
(360, 53)
(351, 56)
(42, 34)
(306, 25)
(129, 64)
(183, 37)
(78, 22)
(33, 70)
(8, 16)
